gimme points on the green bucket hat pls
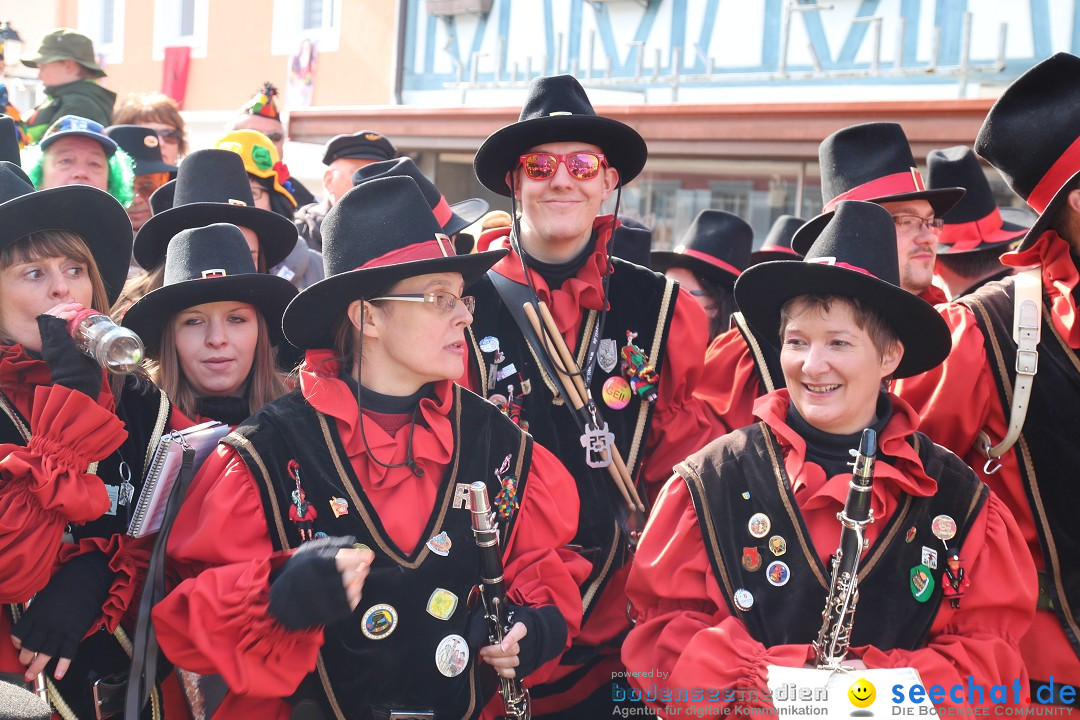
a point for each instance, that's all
(66, 44)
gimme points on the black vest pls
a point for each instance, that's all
(754, 481)
(145, 411)
(1047, 450)
(641, 301)
(397, 671)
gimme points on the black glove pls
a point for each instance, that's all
(69, 367)
(308, 591)
(545, 635)
(63, 612)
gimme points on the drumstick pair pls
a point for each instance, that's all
(571, 379)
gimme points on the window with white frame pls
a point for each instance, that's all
(103, 22)
(299, 20)
(181, 22)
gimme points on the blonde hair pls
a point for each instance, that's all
(264, 383)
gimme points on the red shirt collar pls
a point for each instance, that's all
(1059, 279)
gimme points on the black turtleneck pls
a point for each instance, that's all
(830, 451)
(555, 274)
(229, 410)
(390, 404)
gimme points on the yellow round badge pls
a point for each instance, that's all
(862, 693)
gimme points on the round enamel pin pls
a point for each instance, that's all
(777, 545)
(452, 655)
(778, 573)
(489, 344)
(616, 392)
(744, 599)
(759, 525)
(943, 527)
(379, 621)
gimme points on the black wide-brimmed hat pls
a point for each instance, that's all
(558, 110)
(9, 141)
(144, 147)
(1032, 137)
(873, 162)
(93, 214)
(212, 187)
(716, 246)
(453, 218)
(777, 245)
(854, 255)
(205, 265)
(974, 223)
(632, 241)
(377, 234)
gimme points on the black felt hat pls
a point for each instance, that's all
(9, 141)
(558, 110)
(853, 255)
(162, 198)
(93, 214)
(632, 242)
(377, 234)
(144, 147)
(873, 162)
(453, 218)
(1031, 136)
(205, 265)
(974, 223)
(716, 246)
(363, 145)
(777, 245)
(212, 187)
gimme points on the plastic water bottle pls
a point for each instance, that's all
(115, 348)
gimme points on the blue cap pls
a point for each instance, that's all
(73, 125)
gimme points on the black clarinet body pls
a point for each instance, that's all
(493, 593)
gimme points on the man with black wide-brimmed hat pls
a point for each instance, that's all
(626, 326)
(871, 162)
(974, 404)
(974, 234)
(732, 574)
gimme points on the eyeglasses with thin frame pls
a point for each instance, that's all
(580, 165)
(441, 299)
(916, 224)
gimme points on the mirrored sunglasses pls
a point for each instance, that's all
(580, 165)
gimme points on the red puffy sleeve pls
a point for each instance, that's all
(679, 427)
(730, 384)
(685, 636)
(217, 619)
(45, 485)
(539, 567)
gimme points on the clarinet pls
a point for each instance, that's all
(838, 616)
(493, 593)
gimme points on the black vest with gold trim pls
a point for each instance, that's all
(640, 301)
(765, 355)
(145, 412)
(742, 474)
(1047, 451)
(397, 669)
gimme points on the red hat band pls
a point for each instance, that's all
(439, 247)
(1055, 178)
(895, 184)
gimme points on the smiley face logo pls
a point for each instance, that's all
(862, 693)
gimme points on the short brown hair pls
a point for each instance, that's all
(264, 383)
(867, 318)
(138, 108)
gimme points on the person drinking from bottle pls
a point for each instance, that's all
(73, 448)
(326, 548)
(732, 572)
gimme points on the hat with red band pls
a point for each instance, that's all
(777, 245)
(852, 254)
(974, 223)
(1032, 137)
(377, 234)
(716, 246)
(453, 218)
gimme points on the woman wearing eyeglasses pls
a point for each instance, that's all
(371, 457)
(707, 261)
(160, 113)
